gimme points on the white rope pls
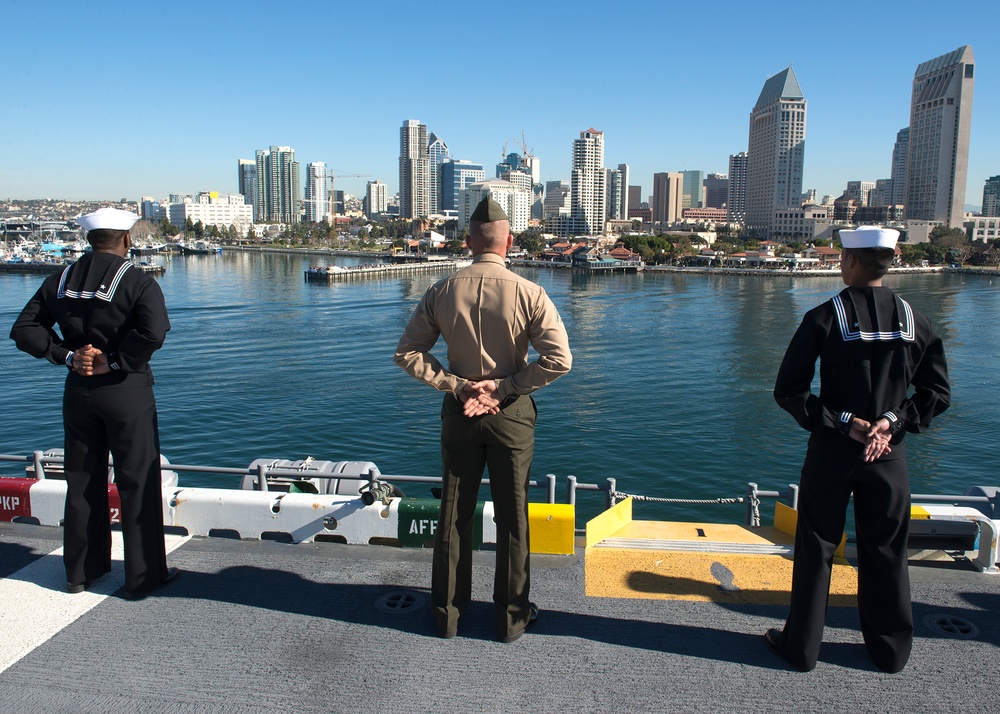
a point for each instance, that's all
(617, 496)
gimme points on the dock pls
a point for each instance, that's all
(381, 270)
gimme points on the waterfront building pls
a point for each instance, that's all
(844, 209)
(557, 199)
(860, 191)
(991, 197)
(457, 174)
(694, 185)
(736, 198)
(516, 202)
(900, 150)
(614, 199)
(587, 191)
(278, 188)
(940, 120)
(414, 170)
(716, 190)
(376, 198)
(984, 228)
(212, 209)
(776, 151)
(882, 193)
(437, 154)
(318, 205)
(668, 190)
(797, 224)
(248, 182)
(152, 210)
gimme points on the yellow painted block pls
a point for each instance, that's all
(919, 513)
(604, 525)
(704, 577)
(787, 518)
(553, 528)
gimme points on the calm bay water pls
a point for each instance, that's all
(670, 390)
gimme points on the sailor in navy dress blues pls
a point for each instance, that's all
(872, 347)
(111, 317)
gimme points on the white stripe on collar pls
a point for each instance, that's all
(906, 331)
(106, 293)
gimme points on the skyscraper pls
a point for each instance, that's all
(694, 186)
(776, 151)
(860, 191)
(940, 119)
(587, 183)
(248, 183)
(376, 198)
(414, 170)
(317, 193)
(668, 197)
(456, 175)
(614, 199)
(898, 176)
(437, 154)
(736, 201)
(991, 196)
(278, 187)
(716, 190)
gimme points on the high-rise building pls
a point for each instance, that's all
(516, 202)
(437, 154)
(859, 191)
(899, 153)
(457, 174)
(614, 199)
(634, 197)
(668, 196)
(716, 190)
(694, 186)
(736, 201)
(278, 188)
(317, 193)
(587, 183)
(940, 119)
(557, 199)
(414, 170)
(882, 194)
(991, 197)
(776, 151)
(248, 183)
(376, 198)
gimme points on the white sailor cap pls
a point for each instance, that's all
(112, 218)
(869, 237)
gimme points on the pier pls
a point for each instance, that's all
(381, 270)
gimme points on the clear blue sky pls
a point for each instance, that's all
(111, 99)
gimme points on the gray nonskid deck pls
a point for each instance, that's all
(264, 627)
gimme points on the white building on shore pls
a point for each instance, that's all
(212, 209)
(516, 202)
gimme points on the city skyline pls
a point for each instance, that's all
(150, 118)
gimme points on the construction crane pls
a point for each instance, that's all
(333, 193)
(524, 146)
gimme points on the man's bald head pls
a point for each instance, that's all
(492, 237)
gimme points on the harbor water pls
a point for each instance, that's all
(670, 391)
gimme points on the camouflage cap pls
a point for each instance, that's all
(488, 211)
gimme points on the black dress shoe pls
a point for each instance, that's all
(532, 619)
(74, 588)
(172, 574)
(775, 640)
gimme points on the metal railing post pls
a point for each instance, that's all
(39, 468)
(571, 490)
(550, 487)
(609, 500)
(793, 495)
(262, 477)
(751, 496)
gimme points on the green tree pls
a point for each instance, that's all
(530, 240)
